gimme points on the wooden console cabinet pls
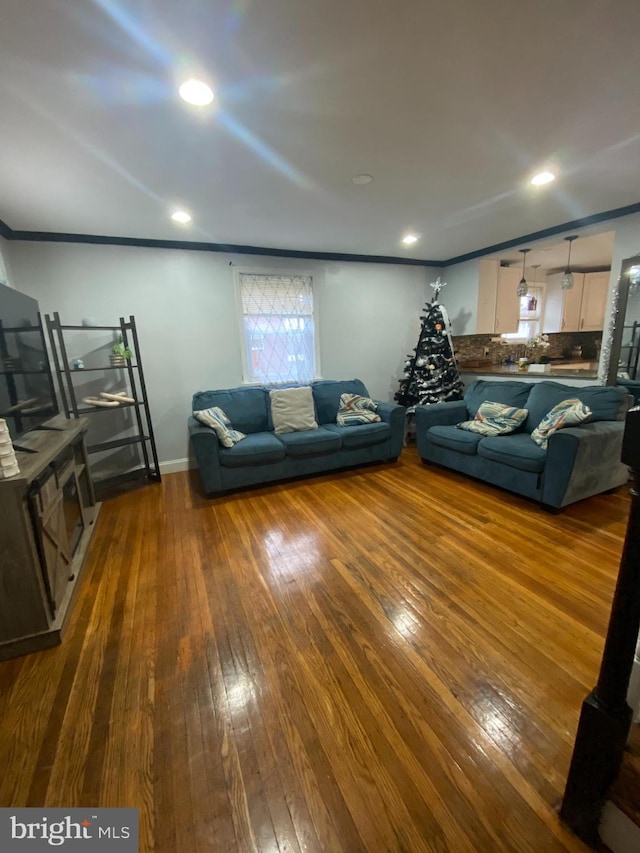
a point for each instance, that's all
(47, 516)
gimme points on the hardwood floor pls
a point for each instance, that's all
(388, 659)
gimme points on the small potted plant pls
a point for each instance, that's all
(120, 354)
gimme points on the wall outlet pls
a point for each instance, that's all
(485, 351)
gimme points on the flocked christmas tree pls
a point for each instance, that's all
(431, 373)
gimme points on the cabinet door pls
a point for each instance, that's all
(572, 304)
(552, 321)
(594, 301)
(507, 301)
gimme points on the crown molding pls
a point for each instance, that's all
(230, 248)
(546, 232)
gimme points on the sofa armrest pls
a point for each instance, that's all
(583, 461)
(437, 414)
(205, 446)
(394, 415)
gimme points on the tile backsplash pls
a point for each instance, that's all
(562, 346)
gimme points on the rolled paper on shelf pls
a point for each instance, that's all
(120, 397)
(97, 401)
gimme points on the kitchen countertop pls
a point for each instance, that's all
(563, 370)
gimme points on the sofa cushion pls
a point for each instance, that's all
(607, 402)
(565, 414)
(292, 409)
(495, 419)
(256, 449)
(510, 393)
(327, 393)
(516, 450)
(361, 435)
(246, 408)
(356, 409)
(311, 442)
(220, 424)
(454, 439)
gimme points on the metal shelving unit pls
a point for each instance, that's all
(143, 435)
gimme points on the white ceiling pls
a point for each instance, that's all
(450, 106)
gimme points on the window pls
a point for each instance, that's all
(530, 315)
(278, 328)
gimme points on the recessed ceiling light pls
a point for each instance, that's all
(196, 92)
(408, 239)
(362, 179)
(542, 178)
(181, 216)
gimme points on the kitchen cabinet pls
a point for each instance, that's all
(498, 303)
(594, 301)
(580, 309)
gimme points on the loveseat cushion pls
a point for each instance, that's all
(517, 450)
(256, 449)
(246, 408)
(327, 392)
(455, 439)
(510, 393)
(361, 435)
(310, 442)
(607, 402)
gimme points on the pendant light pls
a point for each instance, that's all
(522, 286)
(567, 278)
(532, 304)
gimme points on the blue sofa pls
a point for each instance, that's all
(263, 456)
(578, 462)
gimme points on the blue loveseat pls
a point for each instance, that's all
(578, 462)
(263, 456)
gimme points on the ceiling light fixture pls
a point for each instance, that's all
(567, 278)
(522, 285)
(409, 239)
(542, 178)
(196, 92)
(181, 216)
(362, 179)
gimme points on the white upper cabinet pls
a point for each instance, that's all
(498, 303)
(594, 301)
(580, 309)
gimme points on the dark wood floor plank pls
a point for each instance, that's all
(389, 660)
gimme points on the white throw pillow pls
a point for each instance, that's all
(292, 409)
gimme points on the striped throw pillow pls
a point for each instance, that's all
(356, 409)
(495, 419)
(565, 414)
(221, 425)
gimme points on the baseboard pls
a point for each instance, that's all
(619, 833)
(172, 466)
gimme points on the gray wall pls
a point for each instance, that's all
(185, 308)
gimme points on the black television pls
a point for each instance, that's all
(27, 396)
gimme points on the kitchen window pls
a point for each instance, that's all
(530, 318)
